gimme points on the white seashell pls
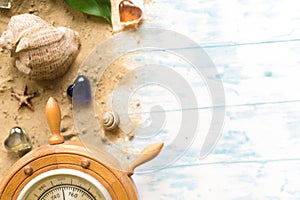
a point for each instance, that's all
(42, 51)
(126, 13)
(110, 121)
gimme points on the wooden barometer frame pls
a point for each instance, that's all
(59, 154)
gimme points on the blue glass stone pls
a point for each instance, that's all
(80, 90)
(70, 90)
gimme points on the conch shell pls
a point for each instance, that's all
(126, 13)
(42, 51)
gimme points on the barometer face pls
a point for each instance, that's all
(64, 184)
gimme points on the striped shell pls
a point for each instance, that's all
(111, 121)
(42, 51)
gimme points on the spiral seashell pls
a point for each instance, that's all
(110, 121)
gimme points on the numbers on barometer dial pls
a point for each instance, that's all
(64, 184)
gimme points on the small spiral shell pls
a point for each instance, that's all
(110, 121)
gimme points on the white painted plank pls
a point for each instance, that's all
(253, 133)
(251, 181)
(227, 22)
(258, 73)
(250, 74)
(266, 132)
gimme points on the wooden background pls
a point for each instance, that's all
(255, 48)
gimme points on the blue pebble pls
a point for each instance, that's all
(80, 90)
(70, 90)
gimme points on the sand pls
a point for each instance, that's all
(92, 30)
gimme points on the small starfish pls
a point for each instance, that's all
(24, 98)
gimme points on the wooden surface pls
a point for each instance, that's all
(255, 47)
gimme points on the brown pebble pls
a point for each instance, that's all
(64, 129)
(10, 79)
(83, 131)
(30, 10)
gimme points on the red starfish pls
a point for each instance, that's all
(24, 98)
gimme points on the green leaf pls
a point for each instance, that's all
(99, 8)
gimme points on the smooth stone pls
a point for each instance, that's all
(18, 141)
(70, 90)
(80, 90)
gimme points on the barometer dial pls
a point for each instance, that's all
(64, 184)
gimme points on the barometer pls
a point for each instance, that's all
(69, 171)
